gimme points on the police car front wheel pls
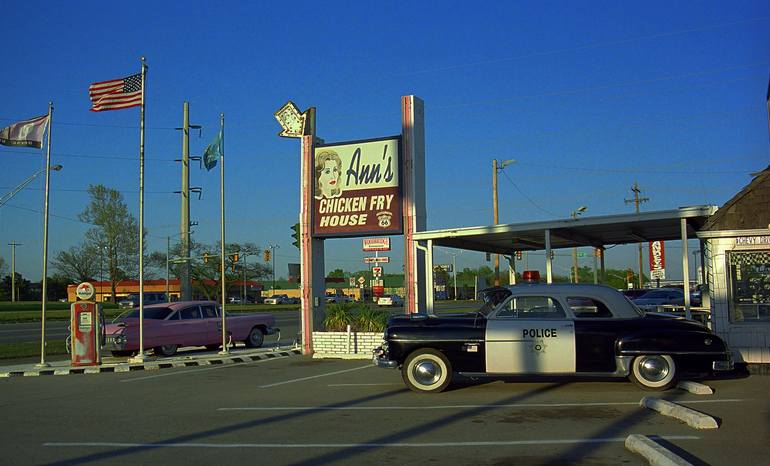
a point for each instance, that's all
(427, 371)
(654, 371)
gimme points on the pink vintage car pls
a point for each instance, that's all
(169, 326)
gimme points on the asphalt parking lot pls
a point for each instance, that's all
(298, 410)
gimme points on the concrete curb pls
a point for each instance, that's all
(689, 416)
(342, 356)
(695, 388)
(152, 365)
(654, 453)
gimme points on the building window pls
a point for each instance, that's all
(749, 286)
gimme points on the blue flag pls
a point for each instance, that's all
(213, 152)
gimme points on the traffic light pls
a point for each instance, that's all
(235, 257)
(295, 235)
(518, 255)
(266, 255)
(205, 258)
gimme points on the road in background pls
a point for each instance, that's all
(287, 320)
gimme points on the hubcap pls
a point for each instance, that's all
(654, 368)
(426, 372)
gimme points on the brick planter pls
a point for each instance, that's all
(353, 345)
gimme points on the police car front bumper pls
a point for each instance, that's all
(379, 359)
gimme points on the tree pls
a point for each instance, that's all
(77, 264)
(337, 273)
(204, 266)
(2, 266)
(115, 232)
(22, 288)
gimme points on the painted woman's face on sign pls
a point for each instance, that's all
(328, 169)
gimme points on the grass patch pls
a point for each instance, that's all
(30, 349)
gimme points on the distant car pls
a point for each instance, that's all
(281, 299)
(169, 326)
(390, 300)
(633, 293)
(132, 300)
(332, 298)
(554, 329)
(660, 297)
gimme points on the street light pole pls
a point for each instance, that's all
(574, 216)
(13, 245)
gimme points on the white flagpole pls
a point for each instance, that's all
(140, 356)
(44, 296)
(222, 228)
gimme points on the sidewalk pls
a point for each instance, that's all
(189, 358)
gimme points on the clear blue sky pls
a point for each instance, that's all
(588, 97)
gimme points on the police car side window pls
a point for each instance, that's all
(588, 308)
(531, 307)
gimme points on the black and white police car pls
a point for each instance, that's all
(550, 329)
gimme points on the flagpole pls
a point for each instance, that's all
(140, 356)
(44, 296)
(222, 227)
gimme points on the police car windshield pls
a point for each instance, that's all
(157, 313)
(492, 297)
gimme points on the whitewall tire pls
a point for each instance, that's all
(427, 371)
(654, 371)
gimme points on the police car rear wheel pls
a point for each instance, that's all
(654, 372)
(427, 371)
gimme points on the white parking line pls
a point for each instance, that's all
(208, 368)
(362, 384)
(357, 445)
(426, 408)
(315, 376)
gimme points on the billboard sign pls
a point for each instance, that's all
(657, 260)
(357, 188)
(376, 244)
(377, 271)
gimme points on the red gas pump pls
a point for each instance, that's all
(86, 331)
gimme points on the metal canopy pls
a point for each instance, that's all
(584, 231)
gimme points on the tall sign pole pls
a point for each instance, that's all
(222, 229)
(140, 356)
(313, 283)
(413, 165)
(44, 284)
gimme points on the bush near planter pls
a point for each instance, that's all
(359, 316)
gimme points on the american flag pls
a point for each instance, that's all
(116, 94)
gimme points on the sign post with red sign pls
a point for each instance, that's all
(657, 260)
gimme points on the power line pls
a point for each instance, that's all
(527, 197)
(589, 46)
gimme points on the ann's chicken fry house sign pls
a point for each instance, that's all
(357, 188)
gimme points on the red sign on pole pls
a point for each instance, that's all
(657, 260)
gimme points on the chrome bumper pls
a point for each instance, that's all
(719, 366)
(379, 359)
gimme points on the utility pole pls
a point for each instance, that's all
(638, 200)
(495, 217)
(13, 245)
(495, 168)
(185, 286)
(574, 216)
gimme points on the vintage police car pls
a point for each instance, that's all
(555, 329)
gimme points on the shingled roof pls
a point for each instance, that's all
(747, 210)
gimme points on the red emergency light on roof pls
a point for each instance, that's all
(531, 276)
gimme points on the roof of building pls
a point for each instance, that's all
(747, 210)
(596, 231)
